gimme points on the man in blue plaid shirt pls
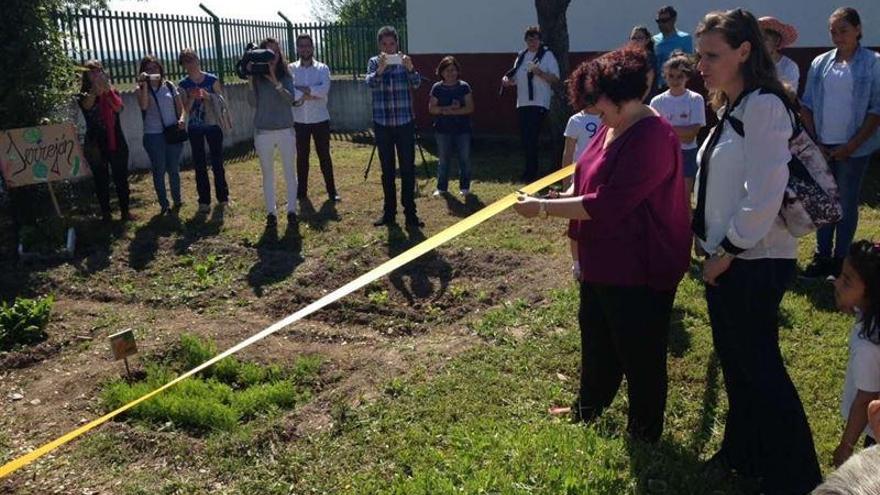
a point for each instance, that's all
(391, 78)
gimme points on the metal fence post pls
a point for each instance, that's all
(291, 40)
(218, 42)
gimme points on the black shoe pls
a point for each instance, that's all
(271, 221)
(335, 198)
(413, 221)
(820, 267)
(291, 217)
(165, 211)
(384, 220)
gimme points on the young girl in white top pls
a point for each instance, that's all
(857, 291)
(684, 109)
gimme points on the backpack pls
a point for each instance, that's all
(811, 200)
(529, 76)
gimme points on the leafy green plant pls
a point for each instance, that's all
(24, 321)
(204, 270)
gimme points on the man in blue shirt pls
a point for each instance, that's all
(668, 40)
(391, 78)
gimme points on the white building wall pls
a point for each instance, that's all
(496, 26)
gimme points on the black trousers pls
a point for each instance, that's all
(766, 434)
(104, 163)
(401, 138)
(213, 134)
(530, 120)
(625, 332)
(321, 133)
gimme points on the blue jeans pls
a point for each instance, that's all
(848, 174)
(445, 144)
(164, 158)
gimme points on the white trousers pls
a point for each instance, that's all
(265, 142)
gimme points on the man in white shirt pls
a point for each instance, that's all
(533, 74)
(311, 119)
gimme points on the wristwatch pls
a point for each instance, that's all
(721, 252)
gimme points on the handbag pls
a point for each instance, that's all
(173, 133)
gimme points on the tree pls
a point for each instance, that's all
(554, 32)
(36, 75)
(357, 11)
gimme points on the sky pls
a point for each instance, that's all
(295, 10)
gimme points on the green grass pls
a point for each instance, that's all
(218, 399)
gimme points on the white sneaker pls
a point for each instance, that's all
(438, 193)
(464, 192)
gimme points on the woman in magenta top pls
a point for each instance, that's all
(629, 220)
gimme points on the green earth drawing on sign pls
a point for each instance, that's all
(75, 171)
(33, 135)
(41, 170)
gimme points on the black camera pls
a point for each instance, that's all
(259, 58)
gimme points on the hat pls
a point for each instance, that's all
(787, 33)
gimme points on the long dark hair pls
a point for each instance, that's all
(864, 257)
(280, 66)
(649, 46)
(736, 27)
(151, 59)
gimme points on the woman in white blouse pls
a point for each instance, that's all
(741, 181)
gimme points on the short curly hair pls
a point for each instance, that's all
(620, 75)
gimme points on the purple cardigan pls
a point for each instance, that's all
(634, 191)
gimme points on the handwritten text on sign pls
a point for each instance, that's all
(32, 155)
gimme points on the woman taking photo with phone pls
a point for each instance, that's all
(164, 129)
(105, 148)
(273, 94)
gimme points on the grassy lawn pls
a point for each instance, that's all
(434, 380)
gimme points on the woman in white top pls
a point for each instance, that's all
(741, 182)
(842, 111)
(777, 36)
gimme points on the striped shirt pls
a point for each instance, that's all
(392, 100)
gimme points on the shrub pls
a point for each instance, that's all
(23, 322)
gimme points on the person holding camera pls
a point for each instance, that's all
(201, 92)
(533, 73)
(164, 128)
(391, 77)
(311, 119)
(273, 94)
(104, 145)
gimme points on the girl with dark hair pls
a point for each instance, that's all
(162, 108)
(842, 111)
(857, 291)
(453, 103)
(273, 96)
(741, 182)
(641, 36)
(629, 219)
(104, 147)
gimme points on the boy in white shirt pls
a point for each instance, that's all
(579, 131)
(684, 109)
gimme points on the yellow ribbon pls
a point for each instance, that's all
(385, 268)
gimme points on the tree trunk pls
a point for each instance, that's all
(554, 32)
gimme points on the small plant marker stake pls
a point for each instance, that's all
(123, 345)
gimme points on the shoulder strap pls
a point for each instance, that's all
(541, 51)
(796, 124)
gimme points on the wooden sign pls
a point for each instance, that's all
(33, 155)
(123, 344)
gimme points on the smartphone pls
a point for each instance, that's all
(395, 59)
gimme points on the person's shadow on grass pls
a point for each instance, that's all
(199, 227)
(466, 208)
(143, 247)
(414, 280)
(318, 220)
(278, 257)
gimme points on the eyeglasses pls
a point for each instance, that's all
(663, 20)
